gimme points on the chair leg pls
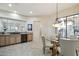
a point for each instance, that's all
(43, 50)
(76, 53)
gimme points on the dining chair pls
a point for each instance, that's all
(46, 44)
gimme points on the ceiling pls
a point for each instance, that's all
(38, 9)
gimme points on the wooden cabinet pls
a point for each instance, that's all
(29, 37)
(7, 40)
(2, 40)
(18, 38)
(12, 39)
(23, 37)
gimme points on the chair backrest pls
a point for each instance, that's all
(68, 47)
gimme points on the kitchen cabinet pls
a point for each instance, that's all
(7, 40)
(23, 37)
(18, 38)
(29, 37)
(2, 40)
(12, 39)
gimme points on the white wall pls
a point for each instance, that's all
(68, 11)
(46, 26)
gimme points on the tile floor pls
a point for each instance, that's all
(24, 49)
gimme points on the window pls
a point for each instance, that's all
(69, 26)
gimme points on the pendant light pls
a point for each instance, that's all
(56, 22)
(56, 12)
(56, 18)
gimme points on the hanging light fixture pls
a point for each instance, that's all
(56, 12)
(56, 16)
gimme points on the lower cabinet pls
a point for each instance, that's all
(29, 37)
(12, 39)
(23, 38)
(7, 40)
(2, 40)
(18, 38)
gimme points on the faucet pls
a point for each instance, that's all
(4, 29)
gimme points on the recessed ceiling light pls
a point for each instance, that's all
(10, 5)
(30, 12)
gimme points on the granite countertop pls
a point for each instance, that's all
(9, 33)
(5, 34)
